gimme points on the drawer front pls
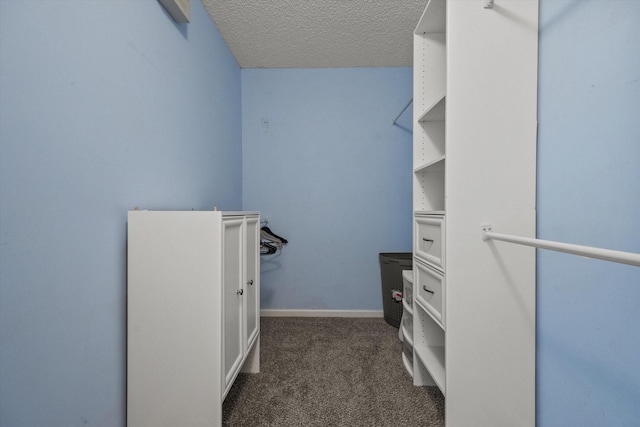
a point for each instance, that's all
(429, 241)
(430, 291)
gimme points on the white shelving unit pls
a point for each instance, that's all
(474, 146)
(429, 101)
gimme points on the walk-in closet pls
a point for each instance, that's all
(201, 201)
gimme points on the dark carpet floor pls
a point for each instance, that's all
(331, 372)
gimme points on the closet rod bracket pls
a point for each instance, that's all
(486, 228)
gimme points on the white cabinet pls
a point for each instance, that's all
(474, 162)
(192, 313)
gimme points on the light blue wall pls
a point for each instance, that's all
(107, 105)
(589, 193)
(104, 105)
(323, 162)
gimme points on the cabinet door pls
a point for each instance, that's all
(252, 280)
(233, 291)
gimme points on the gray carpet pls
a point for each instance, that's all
(330, 372)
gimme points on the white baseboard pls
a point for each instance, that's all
(321, 313)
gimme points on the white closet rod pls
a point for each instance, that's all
(587, 251)
(403, 110)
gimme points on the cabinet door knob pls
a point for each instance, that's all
(240, 292)
(250, 282)
(427, 240)
(424, 288)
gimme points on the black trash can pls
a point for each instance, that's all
(391, 266)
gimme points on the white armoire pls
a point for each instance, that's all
(474, 311)
(193, 313)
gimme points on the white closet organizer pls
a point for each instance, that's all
(474, 148)
(193, 305)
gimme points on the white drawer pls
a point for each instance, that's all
(430, 291)
(429, 241)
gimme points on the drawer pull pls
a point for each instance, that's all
(240, 292)
(424, 288)
(250, 282)
(427, 240)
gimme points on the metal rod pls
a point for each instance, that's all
(403, 110)
(587, 251)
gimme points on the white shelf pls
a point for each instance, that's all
(433, 19)
(420, 306)
(435, 111)
(430, 74)
(436, 164)
(180, 10)
(432, 358)
(428, 187)
(429, 142)
(429, 212)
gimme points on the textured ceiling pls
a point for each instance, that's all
(318, 33)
